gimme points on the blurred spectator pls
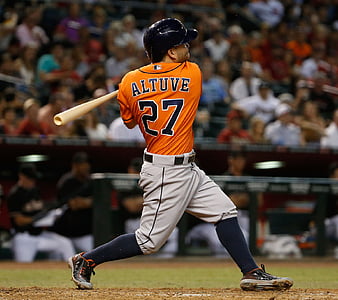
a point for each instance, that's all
(29, 32)
(256, 131)
(267, 12)
(235, 59)
(234, 133)
(320, 93)
(129, 26)
(118, 132)
(217, 46)
(8, 71)
(66, 74)
(95, 130)
(246, 85)
(254, 47)
(214, 101)
(117, 64)
(300, 48)
(311, 123)
(261, 105)
(30, 124)
(314, 64)
(26, 63)
(68, 27)
(9, 20)
(94, 79)
(11, 97)
(98, 22)
(278, 71)
(76, 129)
(8, 121)
(222, 69)
(91, 47)
(330, 138)
(107, 111)
(74, 189)
(283, 132)
(24, 204)
(47, 64)
(55, 105)
(213, 87)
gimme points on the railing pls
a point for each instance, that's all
(104, 183)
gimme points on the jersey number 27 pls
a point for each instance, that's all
(155, 114)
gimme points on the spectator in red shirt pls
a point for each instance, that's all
(30, 125)
(234, 133)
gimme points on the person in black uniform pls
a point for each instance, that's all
(74, 189)
(24, 203)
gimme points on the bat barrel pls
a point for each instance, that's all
(75, 112)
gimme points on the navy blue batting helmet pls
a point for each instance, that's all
(164, 35)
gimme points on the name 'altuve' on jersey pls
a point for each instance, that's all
(163, 99)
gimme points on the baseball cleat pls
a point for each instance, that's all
(82, 270)
(259, 280)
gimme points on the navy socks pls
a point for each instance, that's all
(123, 246)
(232, 238)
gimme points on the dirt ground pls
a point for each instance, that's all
(38, 293)
(34, 293)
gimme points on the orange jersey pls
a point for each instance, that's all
(163, 99)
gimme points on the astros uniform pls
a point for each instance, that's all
(163, 99)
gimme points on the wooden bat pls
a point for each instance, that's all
(77, 111)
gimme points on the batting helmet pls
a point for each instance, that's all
(164, 35)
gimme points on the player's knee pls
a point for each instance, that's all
(147, 244)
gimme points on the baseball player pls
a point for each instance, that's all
(162, 98)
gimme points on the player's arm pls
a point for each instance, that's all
(20, 219)
(130, 123)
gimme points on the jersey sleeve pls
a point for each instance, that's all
(125, 111)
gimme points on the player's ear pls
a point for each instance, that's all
(172, 53)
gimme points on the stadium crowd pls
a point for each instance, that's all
(270, 67)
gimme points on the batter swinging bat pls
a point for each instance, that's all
(81, 109)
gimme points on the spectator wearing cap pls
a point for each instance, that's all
(283, 132)
(74, 189)
(330, 138)
(30, 125)
(24, 204)
(234, 133)
(261, 105)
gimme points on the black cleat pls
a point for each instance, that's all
(259, 280)
(82, 270)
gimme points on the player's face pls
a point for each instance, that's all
(182, 52)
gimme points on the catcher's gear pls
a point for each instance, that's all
(164, 35)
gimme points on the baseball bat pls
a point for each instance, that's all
(77, 111)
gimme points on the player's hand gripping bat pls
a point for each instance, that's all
(81, 109)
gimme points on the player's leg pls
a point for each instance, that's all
(53, 242)
(83, 243)
(24, 247)
(212, 205)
